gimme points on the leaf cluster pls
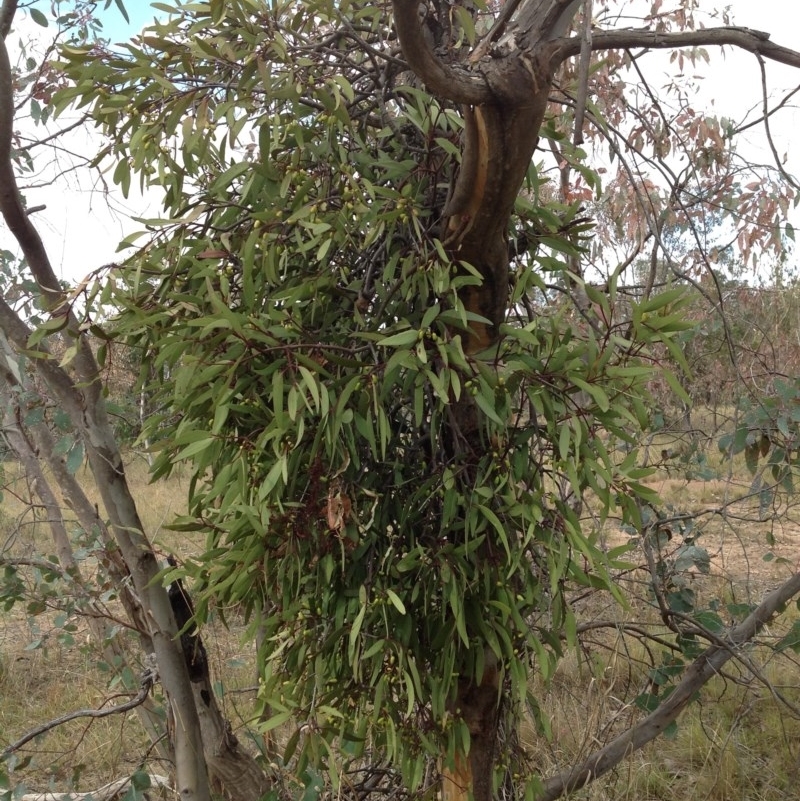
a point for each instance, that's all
(389, 511)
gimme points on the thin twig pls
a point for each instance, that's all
(764, 94)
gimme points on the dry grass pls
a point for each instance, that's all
(738, 742)
(41, 685)
(47, 671)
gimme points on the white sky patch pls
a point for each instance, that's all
(85, 215)
(731, 85)
(85, 218)
(140, 14)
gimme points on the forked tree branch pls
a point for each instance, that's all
(13, 212)
(441, 79)
(536, 23)
(704, 668)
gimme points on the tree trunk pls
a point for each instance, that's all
(232, 769)
(504, 88)
(113, 653)
(478, 705)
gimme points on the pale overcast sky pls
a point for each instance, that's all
(81, 226)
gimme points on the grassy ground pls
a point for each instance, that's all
(50, 666)
(736, 742)
(739, 741)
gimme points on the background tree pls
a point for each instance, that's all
(380, 347)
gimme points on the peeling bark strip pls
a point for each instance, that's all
(505, 97)
(471, 183)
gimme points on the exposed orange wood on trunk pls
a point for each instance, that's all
(504, 93)
(467, 197)
(457, 781)
(477, 704)
(500, 139)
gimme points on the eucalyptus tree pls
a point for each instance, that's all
(382, 348)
